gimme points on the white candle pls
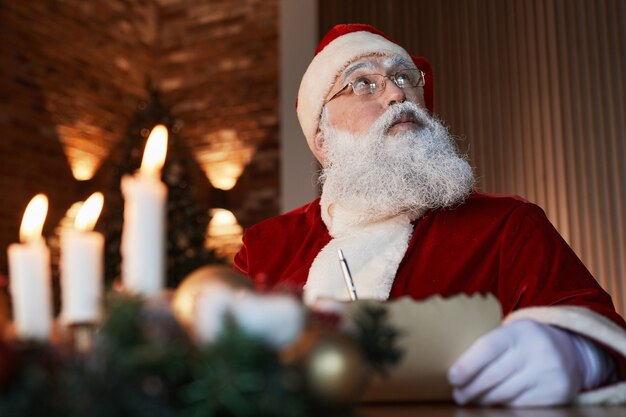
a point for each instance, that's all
(143, 234)
(82, 265)
(29, 275)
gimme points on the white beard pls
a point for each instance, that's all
(376, 176)
(374, 186)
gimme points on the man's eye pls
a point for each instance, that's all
(364, 85)
(403, 79)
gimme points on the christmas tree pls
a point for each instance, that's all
(187, 218)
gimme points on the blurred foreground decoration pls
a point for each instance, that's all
(145, 362)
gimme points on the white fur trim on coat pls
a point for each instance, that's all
(587, 323)
(373, 252)
(326, 66)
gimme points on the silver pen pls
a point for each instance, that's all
(347, 277)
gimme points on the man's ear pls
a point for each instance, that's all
(318, 146)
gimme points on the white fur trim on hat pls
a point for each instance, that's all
(327, 65)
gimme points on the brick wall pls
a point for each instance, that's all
(73, 72)
(218, 70)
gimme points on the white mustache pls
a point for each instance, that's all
(397, 112)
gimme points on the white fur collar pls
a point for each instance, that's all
(373, 252)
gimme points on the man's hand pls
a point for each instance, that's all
(523, 363)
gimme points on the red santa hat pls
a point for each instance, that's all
(341, 46)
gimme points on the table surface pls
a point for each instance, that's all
(451, 410)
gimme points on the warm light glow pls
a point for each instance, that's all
(67, 222)
(84, 143)
(89, 212)
(223, 157)
(224, 175)
(34, 218)
(223, 233)
(223, 223)
(84, 169)
(155, 151)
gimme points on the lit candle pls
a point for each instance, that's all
(143, 234)
(29, 275)
(82, 265)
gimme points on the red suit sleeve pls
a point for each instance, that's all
(241, 259)
(544, 270)
(547, 271)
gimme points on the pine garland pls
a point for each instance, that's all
(377, 339)
(144, 364)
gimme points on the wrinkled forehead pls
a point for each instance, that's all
(375, 64)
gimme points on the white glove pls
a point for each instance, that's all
(526, 363)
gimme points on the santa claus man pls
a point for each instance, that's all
(398, 199)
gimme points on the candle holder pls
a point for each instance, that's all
(81, 336)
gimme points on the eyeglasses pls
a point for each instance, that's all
(373, 83)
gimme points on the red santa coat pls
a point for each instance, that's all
(502, 245)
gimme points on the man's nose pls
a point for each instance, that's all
(393, 94)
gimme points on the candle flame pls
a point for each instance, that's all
(89, 212)
(34, 218)
(155, 151)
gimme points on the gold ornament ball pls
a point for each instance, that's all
(192, 285)
(335, 369)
